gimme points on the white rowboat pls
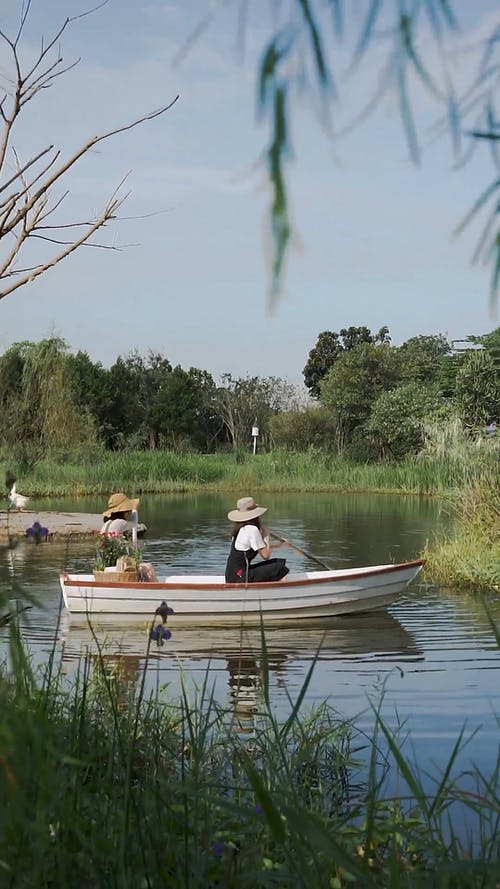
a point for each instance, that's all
(208, 600)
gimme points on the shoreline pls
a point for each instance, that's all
(60, 525)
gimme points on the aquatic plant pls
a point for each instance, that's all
(470, 555)
(37, 532)
(159, 631)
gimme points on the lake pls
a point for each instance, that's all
(433, 655)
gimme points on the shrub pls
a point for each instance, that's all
(300, 430)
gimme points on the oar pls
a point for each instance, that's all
(299, 550)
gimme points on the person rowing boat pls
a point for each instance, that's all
(248, 539)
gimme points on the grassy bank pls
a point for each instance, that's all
(280, 471)
(101, 787)
(471, 557)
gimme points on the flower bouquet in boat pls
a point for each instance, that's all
(117, 559)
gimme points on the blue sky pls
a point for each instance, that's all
(372, 240)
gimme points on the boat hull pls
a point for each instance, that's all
(208, 600)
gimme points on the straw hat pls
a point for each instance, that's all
(246, 509)
(119, 502)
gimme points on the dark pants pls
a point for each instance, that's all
(269, 569)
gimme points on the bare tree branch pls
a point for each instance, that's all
(57, 174)
(27, 198)
(45, 80)
(108, 213)
(30, 163)
(60, 242)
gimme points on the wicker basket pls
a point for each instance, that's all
(116, 576)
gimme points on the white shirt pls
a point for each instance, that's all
(116, 526)
(119, 526)
(249, 537)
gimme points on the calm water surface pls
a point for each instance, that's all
(433, 654)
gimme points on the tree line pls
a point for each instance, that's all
(379, 398)
(55, 402)
(367, 398)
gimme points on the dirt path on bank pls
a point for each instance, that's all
(60, 525)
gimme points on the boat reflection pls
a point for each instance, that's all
(372, 634)
(123, 647)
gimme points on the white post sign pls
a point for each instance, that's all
(255, 432)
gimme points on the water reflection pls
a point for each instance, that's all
(237, 651)
(373, 634)
(344, 529)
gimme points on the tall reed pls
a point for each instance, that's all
(470, 556)
(166, 471)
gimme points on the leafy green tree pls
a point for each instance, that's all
(240, 402)
(11, 375)
(131, 386)
(355, 381)
(298, 430)
(90, 386)
(423, 357)
(182, 408)
(477, 391)
(447, 376)
(15, 428)
(125, 414)
(148, 377)
(209, 426)
(353, 336)
(330, 346)
(452, 363)
(490, 342)
(39, 412)
(396, 420)
(321, 358)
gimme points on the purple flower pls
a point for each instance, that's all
(159, 634)
(164, 610)
(218, 848)
(37, 532)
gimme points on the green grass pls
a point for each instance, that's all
(278, 471)
(471, 557)
(464, 561)
(104, 787)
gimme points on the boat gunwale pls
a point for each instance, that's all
(284, 583)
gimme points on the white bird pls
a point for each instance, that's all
(17, 501)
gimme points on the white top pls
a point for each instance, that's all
(116, 526)
(249, 537)
(119, 526)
